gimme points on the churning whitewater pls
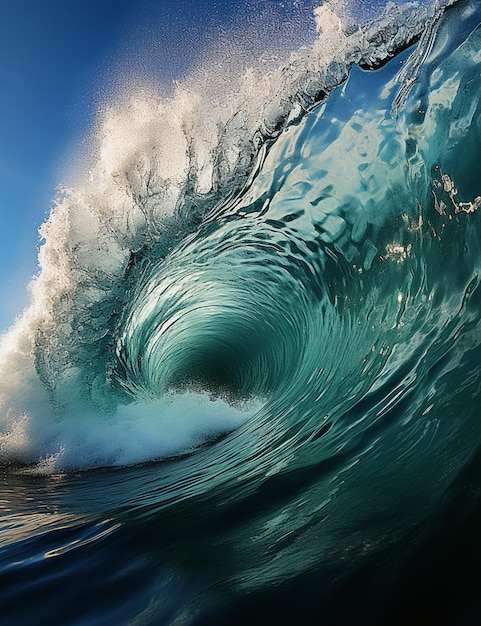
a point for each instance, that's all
(272, 288)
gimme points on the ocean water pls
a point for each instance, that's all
(247, 387)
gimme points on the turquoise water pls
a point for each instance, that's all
(246, 390)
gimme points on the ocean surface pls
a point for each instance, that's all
(247, 387)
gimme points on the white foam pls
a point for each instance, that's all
(136, 433)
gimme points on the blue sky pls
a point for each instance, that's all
(58, 60)
(53, 55)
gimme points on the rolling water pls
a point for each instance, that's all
(247, 387)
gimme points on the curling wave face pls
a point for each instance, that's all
(281, 276)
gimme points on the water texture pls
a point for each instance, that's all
(247, 387)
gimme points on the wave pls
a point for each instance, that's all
(294, 260)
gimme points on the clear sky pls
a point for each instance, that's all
(58, 60)
(53, 56)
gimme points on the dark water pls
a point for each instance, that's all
(247, 388)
